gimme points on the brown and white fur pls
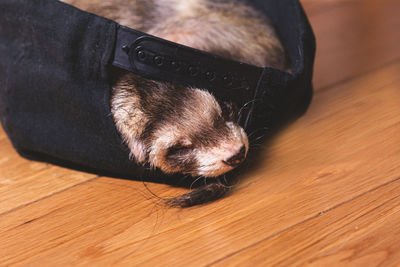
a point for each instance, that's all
(175, 128)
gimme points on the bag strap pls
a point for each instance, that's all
(159, 59)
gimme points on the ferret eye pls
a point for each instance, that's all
(179, 150)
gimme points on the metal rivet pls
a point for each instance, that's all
(175, 65)
(158, 60)
(141, 54)
(227, 80)
(193, 71)
(126, 48)
(210, 76)
(245, 85)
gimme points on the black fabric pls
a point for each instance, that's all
(157, 59)
(55, 90)
(283, 96)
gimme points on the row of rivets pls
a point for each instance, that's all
(193, 70)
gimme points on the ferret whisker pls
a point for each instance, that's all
(151, 192)
(226, 182)
(166, 130)
(259, 138)
(245, 105)
(184, 177)
(256, 130)
(226, 186)
(191, 186)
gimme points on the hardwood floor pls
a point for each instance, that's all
(327, 191)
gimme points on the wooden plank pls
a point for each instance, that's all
(23, 181)
(66, 219)
(353, 37)
(2, 133)
(362, 232)
(346, 145)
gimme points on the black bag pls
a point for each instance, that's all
(55, 84)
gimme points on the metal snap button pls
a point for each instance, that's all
(125, 48)
(158, 60)
(141, 55)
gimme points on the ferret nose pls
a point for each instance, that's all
(236, 159)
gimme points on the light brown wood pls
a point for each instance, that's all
(324, 192)
(108, 220)
(361, 232)
(23, 181)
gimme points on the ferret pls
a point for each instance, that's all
(181, 129)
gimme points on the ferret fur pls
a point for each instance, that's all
(175, 128)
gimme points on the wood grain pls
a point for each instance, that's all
(357, 232)
(111, 221)
(2, 134)
(23, 181)
(324, 192)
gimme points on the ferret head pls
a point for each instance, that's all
(179, 129)
(200, 140)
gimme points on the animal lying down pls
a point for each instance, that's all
(189, 132)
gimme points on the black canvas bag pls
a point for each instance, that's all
(55, 63)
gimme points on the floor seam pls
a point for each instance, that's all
(306, 220)
(356, 76)
(48, 196)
